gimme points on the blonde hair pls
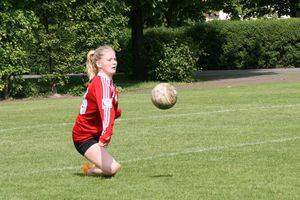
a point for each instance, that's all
(92, 57)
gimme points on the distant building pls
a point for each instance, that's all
(216, 15)
(220, 15)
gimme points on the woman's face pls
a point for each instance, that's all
(108, 63)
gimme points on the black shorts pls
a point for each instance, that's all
(84, 146)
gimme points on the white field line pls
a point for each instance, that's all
(36, 126)
(166, 155)
(157, 116)
(216, 148)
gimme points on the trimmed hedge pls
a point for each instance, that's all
(248, 44)
(222, 45)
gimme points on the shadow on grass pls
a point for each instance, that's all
(161, 176)
(101, 177)
(231, 74)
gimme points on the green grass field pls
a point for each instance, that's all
(215, 144)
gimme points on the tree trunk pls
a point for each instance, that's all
(7, 88)
(139, 68)
(49, 52)
(294, 9)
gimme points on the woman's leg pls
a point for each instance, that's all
(105, 164)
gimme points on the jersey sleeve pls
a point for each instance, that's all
(106, 109)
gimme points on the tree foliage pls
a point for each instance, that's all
(68, 29)
(157, 13)
(258, 8)
(52, 38)
(16, 40)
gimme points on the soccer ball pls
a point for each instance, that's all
(164, 96)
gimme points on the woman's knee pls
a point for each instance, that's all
(112, 170)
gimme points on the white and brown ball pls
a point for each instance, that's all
(164, 96)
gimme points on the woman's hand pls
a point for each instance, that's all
(118, 113)
(102, 144)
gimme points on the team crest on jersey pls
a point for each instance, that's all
(106, 103)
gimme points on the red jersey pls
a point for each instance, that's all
(98, 111)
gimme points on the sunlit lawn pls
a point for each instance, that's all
(219, 143)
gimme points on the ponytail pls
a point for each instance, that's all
(91, 66)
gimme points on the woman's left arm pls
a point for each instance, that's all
(107, 111)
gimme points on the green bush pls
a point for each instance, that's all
(23, 88)
(172, 54)
(124, 55)
(16, 40)
(77, 90)
(177, 63)
(248, 44)
(221, 45)
(76, 85)
(154, 41)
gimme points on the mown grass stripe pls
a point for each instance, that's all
(176, 115)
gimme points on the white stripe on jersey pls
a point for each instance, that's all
(106, 88)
